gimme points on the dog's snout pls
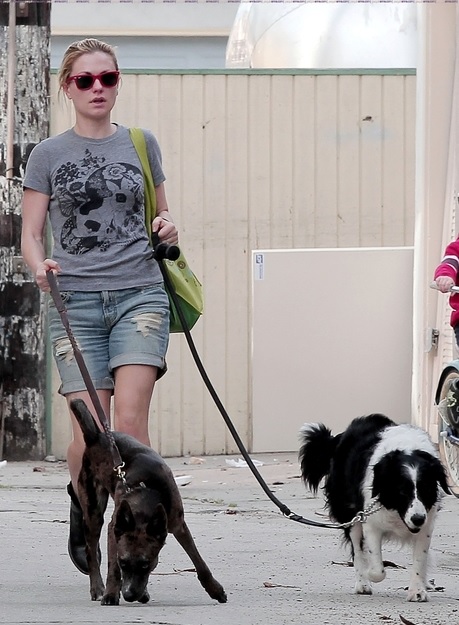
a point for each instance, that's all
(418, 519)
(129, 596)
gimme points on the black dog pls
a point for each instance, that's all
(147, 506)
(390, 472)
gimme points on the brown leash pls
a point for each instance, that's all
(60, 306)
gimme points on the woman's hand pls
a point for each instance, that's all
(165, 228)
(444, 283)
(40, 273)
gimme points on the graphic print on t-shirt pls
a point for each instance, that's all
(102, 203)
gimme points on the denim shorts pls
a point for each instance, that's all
(111, 328)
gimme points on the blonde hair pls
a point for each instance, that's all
(77, 49)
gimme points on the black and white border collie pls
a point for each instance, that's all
(393, 473)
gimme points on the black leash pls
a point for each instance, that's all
(161, 252)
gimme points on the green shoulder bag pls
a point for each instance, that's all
(187, 287)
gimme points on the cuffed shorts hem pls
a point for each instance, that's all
(140, 359)
(76, 386)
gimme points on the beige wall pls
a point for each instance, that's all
(260, 161)
(347, 347)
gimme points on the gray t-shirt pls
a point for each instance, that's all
(96, 208)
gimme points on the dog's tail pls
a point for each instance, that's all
(86, 421)
(317, 448)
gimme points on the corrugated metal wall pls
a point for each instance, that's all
(260, 161)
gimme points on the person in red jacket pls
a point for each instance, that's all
(446, 276)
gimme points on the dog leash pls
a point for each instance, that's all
(118, 463)
(60, 306)
(160, 254)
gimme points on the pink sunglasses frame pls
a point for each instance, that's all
(94, 77)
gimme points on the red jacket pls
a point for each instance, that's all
(449, 266)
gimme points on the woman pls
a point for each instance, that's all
(89, 181)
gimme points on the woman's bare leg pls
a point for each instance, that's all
(134, 386)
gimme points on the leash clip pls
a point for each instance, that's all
(120, 473)
(360, 517)
(122, 476)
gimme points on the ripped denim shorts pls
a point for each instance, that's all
(111, 328)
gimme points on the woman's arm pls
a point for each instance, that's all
(34, 211)
(162, 223)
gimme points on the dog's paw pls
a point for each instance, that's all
(377, 575)
(110, 599)
(361, 588)
(221, 597)
(96, 592)
(417, 594)
(216, 591)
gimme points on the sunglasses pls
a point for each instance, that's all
(84, 82)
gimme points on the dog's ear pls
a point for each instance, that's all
(385, 472)
(157, 526)
(440, 475)
(437, 469)
(124, 521)
(442, 480)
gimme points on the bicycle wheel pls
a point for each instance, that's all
(449, 452)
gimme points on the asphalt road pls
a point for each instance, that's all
(275, 571)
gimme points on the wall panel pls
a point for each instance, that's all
(260, 161)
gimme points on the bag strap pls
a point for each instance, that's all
(138, 140)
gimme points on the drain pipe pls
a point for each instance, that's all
(11, 91)
(9, 152)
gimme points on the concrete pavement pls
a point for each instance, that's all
(275, 571)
